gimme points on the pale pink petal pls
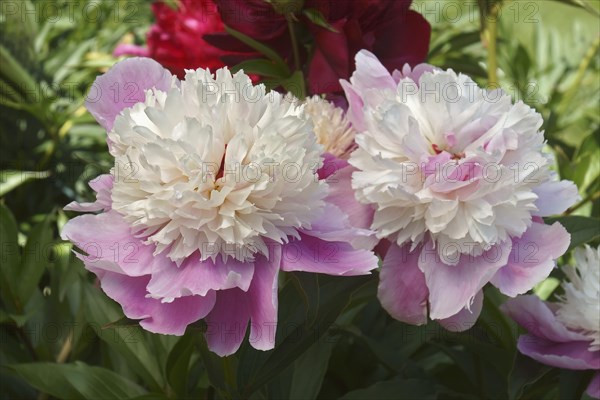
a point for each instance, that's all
(335, 226)
(227, 322)
(413, 73)
(262, 300)
(199, 277)
(166, 318)
(402, 290)
(453, 287)
(466, 318)
(569, 355)
(539, 320)
(102, 185)
(342, 195)
(131, 50)
(555, 197)
(532, 258)
(593, 389)
(355, 106)
(311, 254)
(109, 245)
(123, 86)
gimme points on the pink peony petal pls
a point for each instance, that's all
(402, 290)
(199, 277)
(227, 322)
(123, 86)
(166, 318)
(453, 287)
(465, 318)
(311, 254)
(131, 50)
(102, 185)
(555, 197)
(262, 300)
(109, 244)
(569, 355)
(532, 258)
(538, 319)
(593, 389)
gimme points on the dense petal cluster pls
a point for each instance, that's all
(459, 182)
(217, 186)
(565, 334)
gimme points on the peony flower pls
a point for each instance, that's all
(217, 186)
(459, 183)
(395, 34)
(565, 334)
(176, 39)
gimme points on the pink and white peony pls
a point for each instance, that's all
(565, 334)
(217, 186)
(459, 183)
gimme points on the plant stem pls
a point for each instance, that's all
(490, 37)
(294, 43)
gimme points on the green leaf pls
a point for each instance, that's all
(16, 74)
(178, 363)
(35, 257)
(582, 229)
(261, 48)
(309, 371)
(76, 381)
(317, 18)
(396, 389)
(525, 372)
(10, 258)
(129, 341)
(305, 316)
(262, 67)
(581, 4)
(10, 179)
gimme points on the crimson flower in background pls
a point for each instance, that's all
(387, 28)
(176, 39)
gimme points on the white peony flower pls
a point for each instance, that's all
(580, 305)
(216, 162)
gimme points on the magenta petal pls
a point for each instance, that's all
(311, 254)
(166, 318)
(466, 318)
(555, 197)
(331, 165)
(227, 322)
(452, 287)
(102, 185)
(123, 86)
(593, 388)
(402, 290)
(538, 319)
(109, 244)
(532, 258)
(198, 277)
(569, 355)
(342, 195)
(125, 49)
(262, 299)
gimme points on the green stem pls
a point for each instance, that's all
(490, 36)
(294, 43)
(583, 66)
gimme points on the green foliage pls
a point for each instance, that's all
(62, 337)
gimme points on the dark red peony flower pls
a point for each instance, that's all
(387, 28)
(176, 39)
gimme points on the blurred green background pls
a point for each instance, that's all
(61, 337)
